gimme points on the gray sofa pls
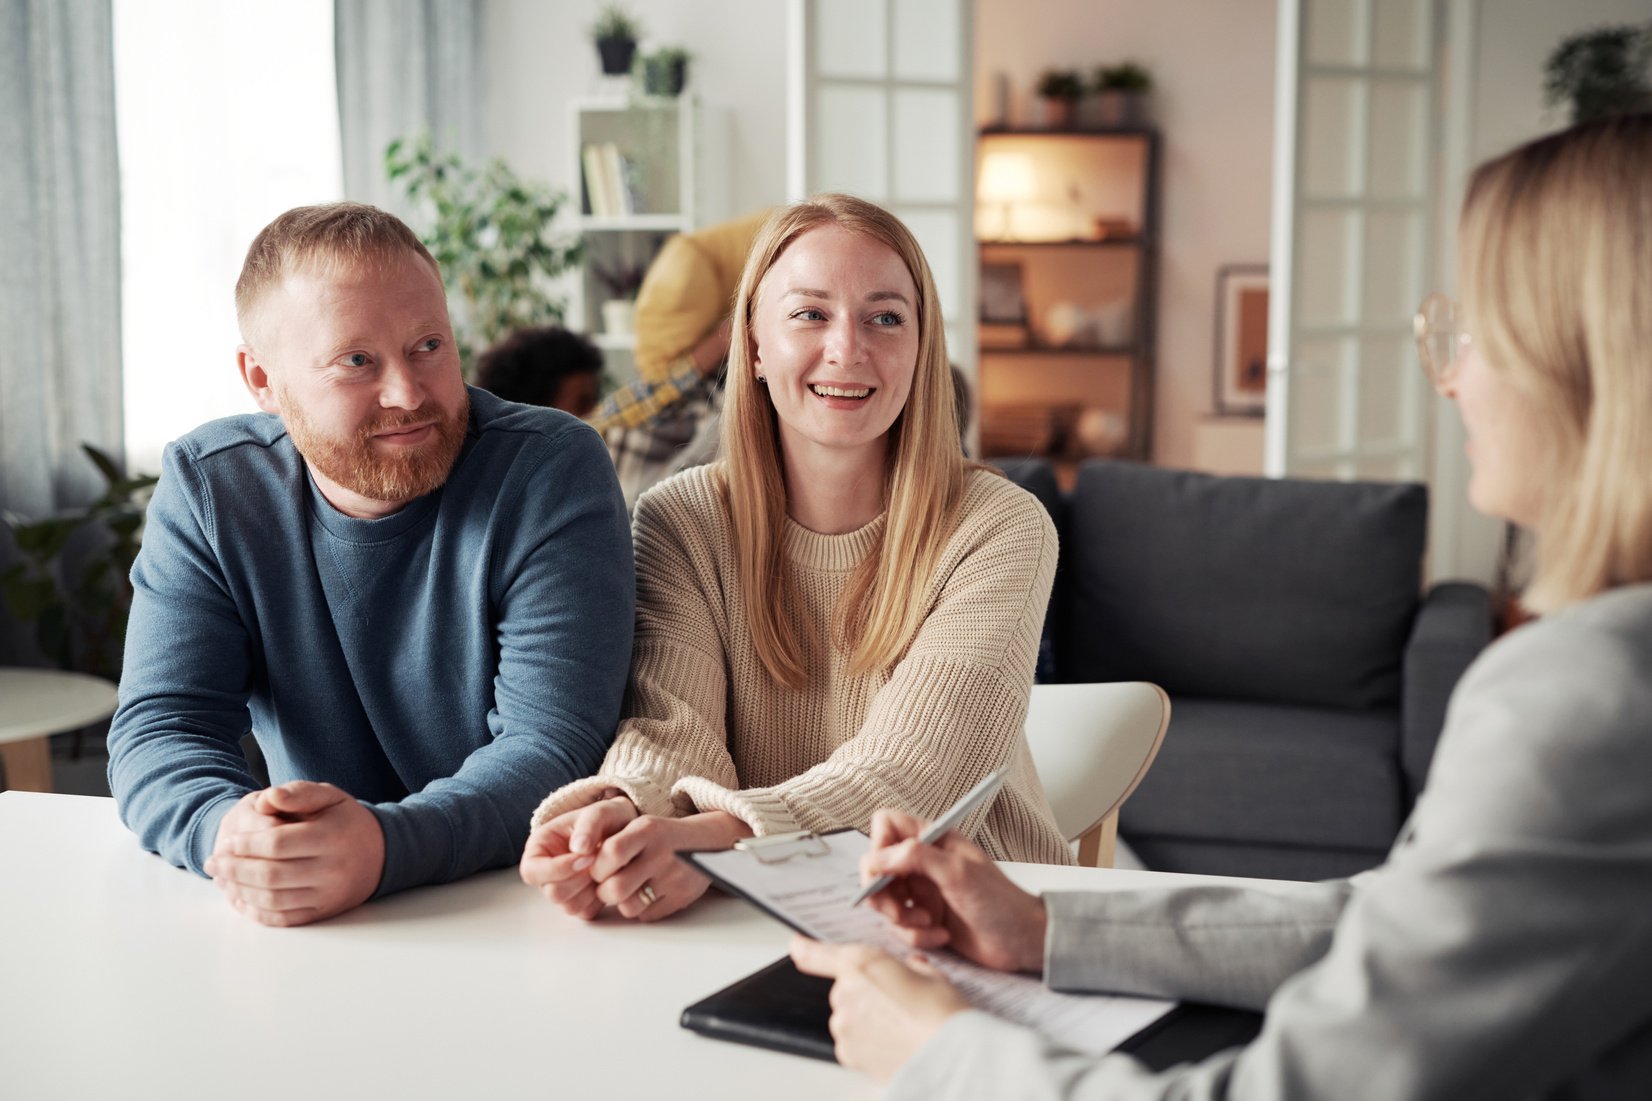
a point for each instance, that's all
(1308, 672)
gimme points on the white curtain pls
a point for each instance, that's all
(405, 66)
(60, 345)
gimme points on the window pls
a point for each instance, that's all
(227, 114)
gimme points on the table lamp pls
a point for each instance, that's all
(1006, 179)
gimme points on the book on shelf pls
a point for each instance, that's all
(612, 182)
(596, 191)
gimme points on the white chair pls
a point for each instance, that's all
(1092, 744)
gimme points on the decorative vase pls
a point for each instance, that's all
(616, 54)
(619, 317)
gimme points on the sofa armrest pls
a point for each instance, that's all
(1452, 627)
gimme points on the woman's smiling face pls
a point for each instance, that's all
(836, 332)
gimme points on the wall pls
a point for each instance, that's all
(1212, 62)
(539, 56)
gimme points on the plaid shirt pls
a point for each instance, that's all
(635, 405)
(683, 434)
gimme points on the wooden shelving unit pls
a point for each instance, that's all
(1082, 247)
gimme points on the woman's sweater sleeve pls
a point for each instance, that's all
(953, 708)
(674, 710)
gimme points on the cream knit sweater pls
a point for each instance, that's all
(706, 728)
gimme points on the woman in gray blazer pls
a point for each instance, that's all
(1504, 948)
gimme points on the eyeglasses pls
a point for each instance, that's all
(1442, 337)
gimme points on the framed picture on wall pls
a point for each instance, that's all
(1002, 302)
(1242, 339)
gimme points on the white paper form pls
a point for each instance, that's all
(810, 885)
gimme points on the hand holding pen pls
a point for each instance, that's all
(947, 892)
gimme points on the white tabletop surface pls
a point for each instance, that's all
(34, 702)
(124, 977)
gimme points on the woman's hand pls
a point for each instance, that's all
(637, 870)
(883, 1010)
(559, 853)
(952, 894)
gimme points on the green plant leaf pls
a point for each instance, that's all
(106, 465)
(45, 539)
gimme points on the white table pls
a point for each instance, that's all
(124, 977)
(35, 703)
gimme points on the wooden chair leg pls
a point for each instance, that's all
(28, 764)
(1097, 848)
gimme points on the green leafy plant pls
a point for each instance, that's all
(1060, 84)
(1127, 77)
(492, 235)
(77, 597)
(1602, 72)
(615, 23)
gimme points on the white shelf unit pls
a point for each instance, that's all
(675, 167)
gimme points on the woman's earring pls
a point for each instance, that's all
(762, 378)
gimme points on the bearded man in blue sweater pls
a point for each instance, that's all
(417, 597)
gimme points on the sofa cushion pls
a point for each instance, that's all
(1259, 861)
(1276, 774)
(1241, 588)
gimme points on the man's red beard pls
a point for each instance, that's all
(391, 475)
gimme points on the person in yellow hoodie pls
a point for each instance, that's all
(666, 420)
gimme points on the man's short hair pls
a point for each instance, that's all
(324, 236)
(529, 364)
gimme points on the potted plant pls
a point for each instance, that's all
(1058, 93)
(1120, 94)
(622, 281)
(616, 33)
(491, 234)
(71, 582)
(665, 71)
(1601, 72)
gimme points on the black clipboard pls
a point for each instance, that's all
(782, 1009)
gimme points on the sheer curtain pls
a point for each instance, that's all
(228, 116)
(60, 308)
(405, 66)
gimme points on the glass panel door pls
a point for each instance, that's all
(1353, 235)
(880, 107)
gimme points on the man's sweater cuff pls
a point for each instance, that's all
(203, 834)
(418, 846)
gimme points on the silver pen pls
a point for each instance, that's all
(937, 829)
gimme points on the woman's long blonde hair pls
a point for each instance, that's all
(882, 607)
(1556, 262)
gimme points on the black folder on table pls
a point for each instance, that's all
(782, 1009)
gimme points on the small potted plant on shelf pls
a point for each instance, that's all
(665, 71)
(1600, 73)
(616, 33)
(622, 280)
(1120, 95)
(1058, 93)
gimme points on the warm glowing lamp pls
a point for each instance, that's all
(1006, 179)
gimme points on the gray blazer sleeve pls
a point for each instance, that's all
(1222, 945)
(1503, 950)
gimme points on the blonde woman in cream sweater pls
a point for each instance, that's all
(842, 615)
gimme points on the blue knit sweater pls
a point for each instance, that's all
(447, 665)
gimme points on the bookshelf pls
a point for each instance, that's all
(1067, 236)
(645, 168)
